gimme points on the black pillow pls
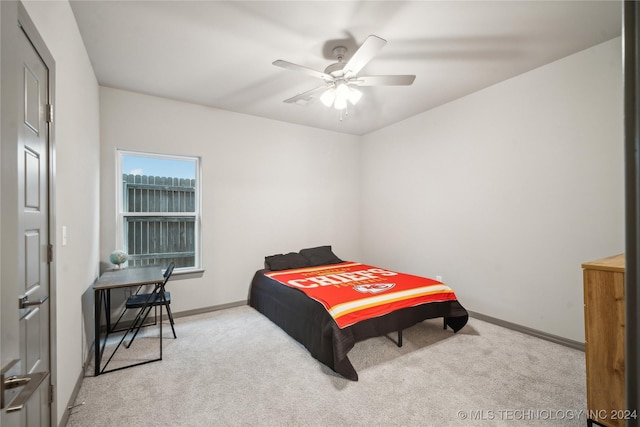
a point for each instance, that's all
(321, 255)
(285, 262)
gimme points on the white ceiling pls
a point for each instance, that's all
(220, 53)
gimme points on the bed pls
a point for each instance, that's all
(309, 321)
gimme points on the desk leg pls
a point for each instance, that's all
(108, 311)
(97, 307)
(161, 332)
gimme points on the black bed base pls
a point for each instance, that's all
(399, 342)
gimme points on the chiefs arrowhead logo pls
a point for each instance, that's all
(374, 288)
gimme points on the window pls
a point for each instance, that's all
(159, 209)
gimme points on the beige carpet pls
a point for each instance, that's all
(236, 368)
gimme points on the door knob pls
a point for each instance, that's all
(24, 302)
(15, 381)
(31, 382)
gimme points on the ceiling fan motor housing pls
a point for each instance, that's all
(339, 52)
(335, 69)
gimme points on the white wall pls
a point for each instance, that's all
(77, 145)
(268, 187)
(507, 191)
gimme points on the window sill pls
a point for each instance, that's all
(191, 273)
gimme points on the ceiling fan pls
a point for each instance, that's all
(341, 77)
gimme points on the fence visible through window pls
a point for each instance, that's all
(159, 220)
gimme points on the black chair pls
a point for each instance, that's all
(145, 302)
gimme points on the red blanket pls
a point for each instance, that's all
(352, 292)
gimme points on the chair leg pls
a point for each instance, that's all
(145, 317)
(169, 313)
(142, 318)
(139, 325)
(113, 328)
(170, 320)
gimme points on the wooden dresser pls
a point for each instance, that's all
(604, 318)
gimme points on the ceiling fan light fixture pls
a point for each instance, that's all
(342, 90)
(354, 95)
(343, 93)
(338, 95)
(328, 97)
(341, 103)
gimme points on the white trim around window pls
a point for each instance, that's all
(160, 228)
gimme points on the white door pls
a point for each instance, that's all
(25, 331)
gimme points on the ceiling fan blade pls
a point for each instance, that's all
(363, 55)
(305, 97)
(399, 80)
(310, 71)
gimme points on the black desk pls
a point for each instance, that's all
(113, 279)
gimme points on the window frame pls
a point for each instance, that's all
(197, 214)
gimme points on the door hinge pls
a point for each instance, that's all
(49, 253)
(49, 113)
(51, 391)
